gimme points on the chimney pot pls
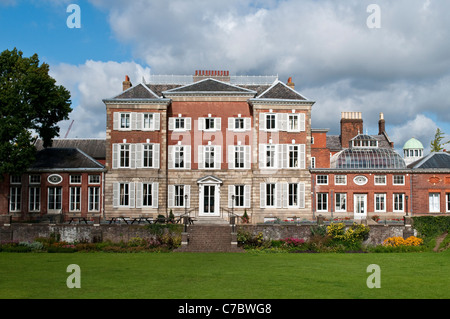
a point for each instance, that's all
(126, 84)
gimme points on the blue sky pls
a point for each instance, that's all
(401, 69)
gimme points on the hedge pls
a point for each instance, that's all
(431, 226)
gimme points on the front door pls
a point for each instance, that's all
(209, 200)
(360, 206)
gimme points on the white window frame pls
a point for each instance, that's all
(337, 182)
(447, 206)
(75, 199)
(92, 179)
(402, 203)
(94, 199)
(434, 202)
(246, 123)
(35, 179)
(339, 208)
(394, 182)
(122, 116)
(313, 162)
(245, 194)
(375, 201)
(155, 121)
(76, 179)
(57, 204)
(203, 123)
(173, 123)
(173, 150)
(172, 198)
(15, 179)
(15, 198)
(324, 200)
(378, 182)
(119, 196)
(34, 199)
(322, 179)
(205, 151)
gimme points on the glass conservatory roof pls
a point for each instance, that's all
(367, 158)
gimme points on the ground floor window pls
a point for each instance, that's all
(54, 198)
(270, 195)
(448, 202)
(380, 202)
(15, 198)
(399, 202)
(35, 199)
(341, 202)
(75, 199)
(94, 199)
(434, 202)
(124, 194)
(322, 202)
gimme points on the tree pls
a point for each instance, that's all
(31, 105)
(436, 144)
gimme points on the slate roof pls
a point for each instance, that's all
(434, 160)
(279, 90)
(64, 159)
(334, 142)
(95, 148)
(139, 91)
(211, 86)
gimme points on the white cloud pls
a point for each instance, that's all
(89, 84)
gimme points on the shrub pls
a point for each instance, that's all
(397, 241)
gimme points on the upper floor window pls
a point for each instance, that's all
(239, 123)
(125, 120)
(179, 123)
(294, 122)
(399, 180)
(322, 179)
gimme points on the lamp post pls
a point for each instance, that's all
(406, 197)
(232, 218)
(186, 218)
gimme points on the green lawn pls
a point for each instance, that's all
(223, 276)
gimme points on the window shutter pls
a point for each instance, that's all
(230, 156)
(115, 194)
(139, 192)
(171, 196)
(248, 123)
(187, 156)
(157, 120)
(285, 192)
(201, 123)
(280, 155)
(139, 155)
(133, 155)
(218, 123)
(282, 121)
(279, 195)
(247, 196)
(187, 191)
(231, 123)
(301, 195)
(188, 123)
(156, 155)
(132, 196)
(217, 157)
(262, 195)
(115, 155)
(133, 119)
(171, 123)
(170, 156)
(230, 194)
(155, 191)
(139, 121)
(302, 156)
(302, 122)
(247, 157)
(201, 163)
(262, 155)
(262, 121)
(116, 119)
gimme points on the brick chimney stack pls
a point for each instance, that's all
(381, 124)
(126, 84)
(290, 83)
(351, 125)
(220, 75)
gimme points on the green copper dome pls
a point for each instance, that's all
(412, 144)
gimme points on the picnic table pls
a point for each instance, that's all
(131, 220)
(79, 218)
(190, 220)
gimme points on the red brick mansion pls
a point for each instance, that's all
(212, 144)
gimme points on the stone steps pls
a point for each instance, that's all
(210, 238)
